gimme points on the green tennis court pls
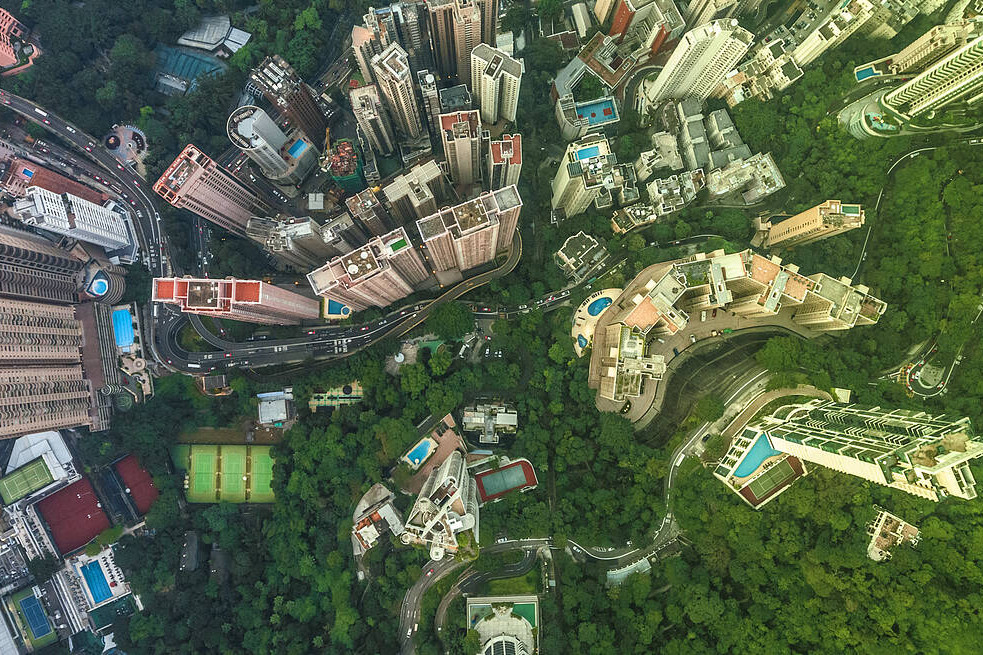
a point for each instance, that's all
(233, 487)
(23, 481)
(261, 476)
(773, 477)
(201, 477)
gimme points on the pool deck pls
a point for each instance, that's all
(447, 442)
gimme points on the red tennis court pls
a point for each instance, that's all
(73, 515)
(138, 482)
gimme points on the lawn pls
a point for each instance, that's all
(524, 585)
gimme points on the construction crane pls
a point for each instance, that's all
(325, 161)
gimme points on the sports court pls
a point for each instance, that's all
(74, 516)
(139, 483)
(232, 474)
(495, 484)
(771, 478)
(32, 616)
(23, 481)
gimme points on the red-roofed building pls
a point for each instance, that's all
(241, 300)
(22, 173)
(504, 161)
(73, 515)
(515, 476)
(138, 483)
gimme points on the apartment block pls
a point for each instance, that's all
(924, 51)
(252, 301)
(366, 207)
(698, 64)
(467, 35)
(427, 82)
(374, 517)
(915, 452)
(843, 21)
(820, 222)
(957, 77)
(284, 88)
(74, 217)
(32, 332)
(472, 233)
(395, 80)
(754, 178)
(417, 193)
(578, 255)
(590, 173)
(887, 531)
(489, 20)
(377, 274)
(370, 113)
(490, 421)
(624, 364)
(10, 29)
(377, 31)
(495, 81)
(646, 25)
(282, 158)
(301, 242)
(836, 304)
(45, 397)
(463, 142)
(770, 69)
(503, 163)
(32, 268)
(446, 506)
(195, 182)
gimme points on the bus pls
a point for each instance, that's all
(38, 111)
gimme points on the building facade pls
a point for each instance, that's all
(503, 162)
(820, 222)
(495, 81)
(462, 139)
(32, 268)
(446, 506)
(417, 193)
(73, 217)
(956, 77)
(395, 80)
(372, 118)
(252, 301)
(284, 88)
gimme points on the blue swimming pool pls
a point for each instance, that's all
(336, 308)
(28, 173)
(419, 452)
(598, 306)
(95, 580)
(597, 112)
(864, 73)
(760, 451)
(297, 148)
(581, 341)
(587, 153)
(123, 328)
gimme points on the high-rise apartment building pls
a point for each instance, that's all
(377, 274)
(32, 268)
(820, 222)
(589, 173)
(912, 451)
(503, 162)
(32, 332)
(646, 24)
(252, 301)
(441, 27)
(282, 86)
(455, 30)
(924, 51)
(489, 21)
(369, 211)
(299, 242)
(843, 21)
(427, 82)
(467, 35)
(372, 118)
(396, 83)
(956, 77)
(418, 192)
(44, 397)
(73, 217)
(283, 159)
(495, 80)
(699, 63)
(472, 233)
(10, 28)
(447, 505)
(195, 182)
(700, 12)
(377, 31)
(461, 138)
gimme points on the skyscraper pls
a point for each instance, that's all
(589, 173)
(371, 116)
(283, 159)
(461, 137)
(503, 162)
(447, 505)
(455, 30)
(431, 101)
(698, 64)
(820, 222)
(843, 20)
(282, 86)
(495, 80)
(32, 331)
(489, 21)
(196, 183)
(44, 397)
(915, 452)
(396, 83)
(74, 217)
(377, 274)
(32, 268)
(441, 23)
(299, 242)
(467, 35)
(366, 207)
(417, 193)
(252, 301)
(472, 233)
(956, 77)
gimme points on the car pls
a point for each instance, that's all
(364, 328)
(429, 573)
(706, 438)
(409, 633)
(136, 183)
(502, 540)
(714, 314)
(692, 338)
(228, 354)
(47, 122)
(703, 315)
(487, 337)
(6, 102)
(551, 299)
(310, 332)
(119, 166)
(675, 351)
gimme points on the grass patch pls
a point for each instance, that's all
(523, 585)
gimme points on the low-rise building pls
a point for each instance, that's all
(490, 421)
(755, 178)
(276, 408)
(887, 531)
(625, 364)
(664, 154)
(374, 517)
(580, 254)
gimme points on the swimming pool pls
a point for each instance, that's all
(336, 308)
(123, 328)
(864, 73)
(581, 341)
(95, 580)
(598, 306)
(419, 452)
(599, 111)
(759, 452)
(587, 153)
(297, 148)
(28, 173)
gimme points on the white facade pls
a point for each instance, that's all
(699, 63)
(392, 70)
(254, 132)
(956, 77)
(73, 217)
(841, 23)
(495, 81)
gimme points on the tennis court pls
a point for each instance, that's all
(23, 481)
(39, 630)
(233, 488)
(261, 476)
(201, 477)
(773, 477)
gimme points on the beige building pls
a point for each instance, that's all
(588, 173)
(472, 233)
(366, 207)
(395, 79)
(417, 193)
(624, 363)
(461, 137)
(252, 301)
(503, 162)
(32, 268)
(958, 77)
(44, 397)
(377, 274)
(495, 81)
(446, 506)
(372, 118)
(840, 24)
(196, 183)
(73, 217)
(33, 332)
(284, 88)
(924, 51)
(915, 452)
(820, 222)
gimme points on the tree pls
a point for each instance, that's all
(550, 10)
(450, 320)
(708, 408)
(472, 642)
(441, 361)
(516, 18)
